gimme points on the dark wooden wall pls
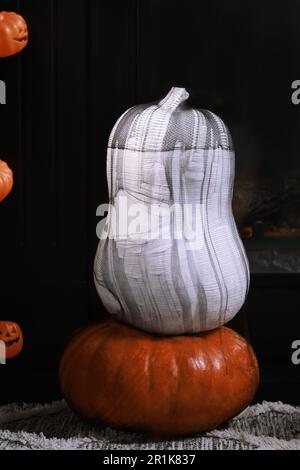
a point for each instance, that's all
(64, 93)
(87, 62)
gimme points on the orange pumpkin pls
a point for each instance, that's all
(11, 335)
(6, 180)
(114, 374)
(13, 33)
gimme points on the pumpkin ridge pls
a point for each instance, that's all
(74, 352)
(79, 337)
(109, 345)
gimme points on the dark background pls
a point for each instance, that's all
(86, 63)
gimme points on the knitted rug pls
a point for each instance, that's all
(54, 427)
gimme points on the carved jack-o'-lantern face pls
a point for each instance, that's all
(11, 335)
(13, 33)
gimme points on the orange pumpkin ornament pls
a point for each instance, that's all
(11, 335)
(116, 375)
(13, 33)
(6, 180)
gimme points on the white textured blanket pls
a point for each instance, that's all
(54, 427)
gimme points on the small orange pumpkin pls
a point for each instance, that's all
(13, 33)
(114, 374)
(6, 180)
(11, 335)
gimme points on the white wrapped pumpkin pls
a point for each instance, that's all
(170, 260)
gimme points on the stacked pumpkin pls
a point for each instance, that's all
(166, 364)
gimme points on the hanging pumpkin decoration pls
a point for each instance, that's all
(114, 374)
(6, 180)
(11, 335)
(13, 33)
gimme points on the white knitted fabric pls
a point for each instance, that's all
(269, 426)
(185, 271)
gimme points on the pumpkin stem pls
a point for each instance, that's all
(174, 98)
